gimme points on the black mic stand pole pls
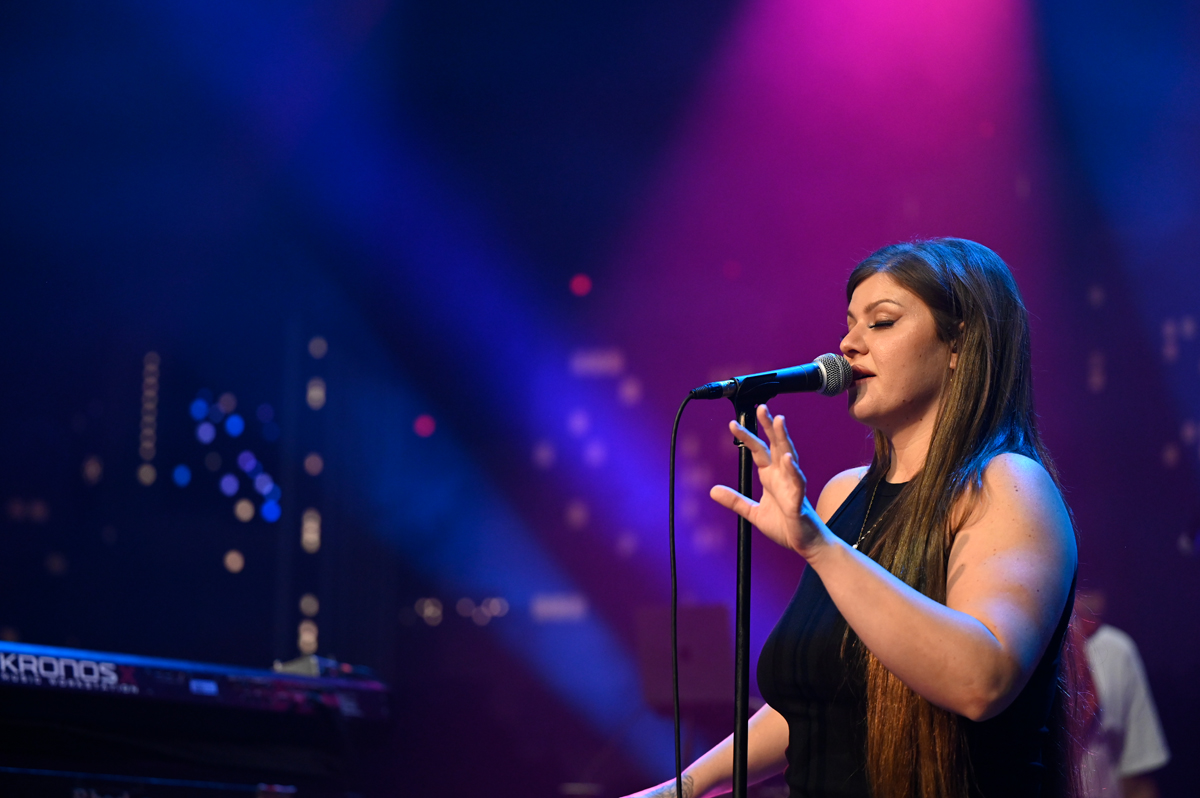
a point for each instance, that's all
(741, 652)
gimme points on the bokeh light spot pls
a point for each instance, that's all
(227, 402)
(629, 391)
(93, 469)
(309, 605)
(39, 511)
(243, 510)
(576, 514)
(146, 474)
(581, 285)
(495, 607)
(229, 484)
(318, 347)
(234, 561)
(595, 454)
(247, 461)
(212, 461)
(429, 610)
(263, 483)
(234, 425)
(579, 422)
(265, 413)
(314, 464)
(1170, 455)
(182, 475)
(56, 564)
(424, 425)
(310, 530)
(544, 454)
(271, 511)
(198, 409)
(206, 433)
(315, 393)
(270, 431)
(306, 637)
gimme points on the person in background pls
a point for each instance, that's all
(1126, 744)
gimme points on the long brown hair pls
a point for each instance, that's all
(913, 747)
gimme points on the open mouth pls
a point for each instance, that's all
(860, 374)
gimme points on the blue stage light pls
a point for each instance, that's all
(198, 409)
(182, 475)
(271, 511)
(229, 484)
(274, 493)
(234, 425)
(247, 461)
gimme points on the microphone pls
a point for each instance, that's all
(829, 374)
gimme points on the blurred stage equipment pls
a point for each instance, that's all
(89, 723)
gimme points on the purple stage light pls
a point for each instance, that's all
(229, 484)
(247, 461)
(206, 432)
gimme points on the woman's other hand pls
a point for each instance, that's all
(667, 789)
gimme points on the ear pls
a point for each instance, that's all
(954, 346)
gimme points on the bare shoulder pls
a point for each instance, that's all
(837, 489)
(1014, 481)
(1020, 508)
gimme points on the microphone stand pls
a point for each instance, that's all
(741, 651)
(750, 394)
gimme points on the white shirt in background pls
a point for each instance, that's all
(1130, 740)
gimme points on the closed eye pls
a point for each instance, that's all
(881, 323)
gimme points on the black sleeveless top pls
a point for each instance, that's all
(802, 675)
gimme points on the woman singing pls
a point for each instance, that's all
(920, 655)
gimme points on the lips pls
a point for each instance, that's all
(860, 374)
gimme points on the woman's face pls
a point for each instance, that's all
(899, 363)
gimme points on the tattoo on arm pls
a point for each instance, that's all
(689, 788)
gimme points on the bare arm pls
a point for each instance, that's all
(1010, 569)
(712, 773)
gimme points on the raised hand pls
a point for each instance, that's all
(784, 513)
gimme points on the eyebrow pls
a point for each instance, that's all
(874, 305)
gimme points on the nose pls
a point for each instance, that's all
(852, 343)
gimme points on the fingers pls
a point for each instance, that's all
(732, 500)
(775, 430)
(756, 445)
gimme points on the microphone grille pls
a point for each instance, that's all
(838, 374)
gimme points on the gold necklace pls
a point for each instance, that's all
(862, 533)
